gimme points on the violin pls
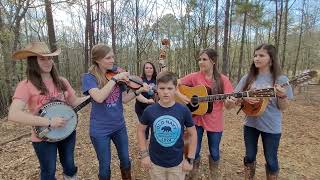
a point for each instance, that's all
(134, 82)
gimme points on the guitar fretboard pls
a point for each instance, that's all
(218, 97)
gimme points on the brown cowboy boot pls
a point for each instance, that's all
(126, 174)
(214, 169)
(270, 175)
(193, 174)
(249, 170)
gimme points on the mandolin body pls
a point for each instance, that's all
(255, 109)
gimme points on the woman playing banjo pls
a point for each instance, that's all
(43, 85)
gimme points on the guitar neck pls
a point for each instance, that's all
(218, 97)
(81, 105)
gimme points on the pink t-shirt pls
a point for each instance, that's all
(214, 121)
(29, 94)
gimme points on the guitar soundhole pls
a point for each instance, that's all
(192, 108)
(194, 101)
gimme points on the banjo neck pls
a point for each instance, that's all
(81, 105)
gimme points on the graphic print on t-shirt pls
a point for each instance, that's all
(167, 130)
(113, 97)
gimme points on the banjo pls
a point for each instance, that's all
(61, 109)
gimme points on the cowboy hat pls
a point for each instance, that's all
(35, 49)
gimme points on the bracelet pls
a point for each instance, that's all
(49, 126)
(114, 79)
(135, 93)
(143, 154)
(282, 97)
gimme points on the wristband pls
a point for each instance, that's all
(135, 93)
(114, 79)
(49, 126)
(143, 154)
(282, 97)
(190, 160)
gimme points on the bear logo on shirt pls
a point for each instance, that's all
(167, 130)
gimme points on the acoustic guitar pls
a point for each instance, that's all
(201, 98)
(258, 108)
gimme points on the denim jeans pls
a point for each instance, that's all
(270, 147)
(214, 139)
(47, 156)
(102, 147)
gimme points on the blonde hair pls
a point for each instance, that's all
(98, 52)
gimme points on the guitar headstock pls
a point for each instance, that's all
(266, 92)
(303, 77)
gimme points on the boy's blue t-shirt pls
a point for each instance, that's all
(106, 117)
(167, 128)
(270, 120)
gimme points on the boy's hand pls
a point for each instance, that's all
(146, 163)
(186, 166)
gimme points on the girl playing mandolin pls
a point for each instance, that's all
(264, 73)
(211, 122)
(107, 120)
(43, 84)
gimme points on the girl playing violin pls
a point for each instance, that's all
(107, 120)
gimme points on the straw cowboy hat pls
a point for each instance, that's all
(35, 49)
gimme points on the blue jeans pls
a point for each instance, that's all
(270, 147)
(214, 139)
(103, 151)
(47, 156)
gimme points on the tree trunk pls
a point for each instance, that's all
(285, 32)
(276, 25)
(242, 44)
(113, 30)
(225, 39)
(216, 36)
(86, 41)
(280, 23)
(138, 65)
(300, 39)
(51, 31)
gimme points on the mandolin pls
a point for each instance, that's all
(258, 108)
(201, 99)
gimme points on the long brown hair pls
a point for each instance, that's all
(217, 87)
(98, 52)
(154, 74)
(274, 68)
(34, 75)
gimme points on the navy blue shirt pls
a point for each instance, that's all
(140, 106)
(167, 127)
(106, 117)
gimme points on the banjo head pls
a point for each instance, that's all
(58, 109)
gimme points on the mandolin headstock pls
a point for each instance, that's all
(302, 78)
(266, 92)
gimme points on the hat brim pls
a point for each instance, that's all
(23, 54)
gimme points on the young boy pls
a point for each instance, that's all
(167, 119)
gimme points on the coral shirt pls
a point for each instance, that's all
(29, 94)
(213, 121)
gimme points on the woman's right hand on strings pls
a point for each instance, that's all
(57, 122)
(124, 76)
(183, 98)
(251, 100)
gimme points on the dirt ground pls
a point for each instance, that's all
(299, 152)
